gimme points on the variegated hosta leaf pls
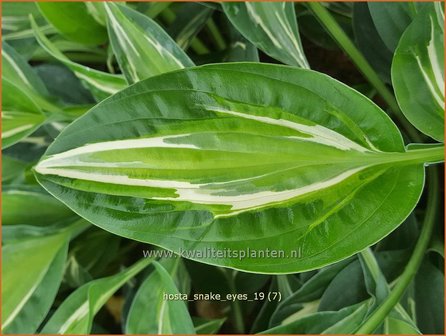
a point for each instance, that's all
(271, 27)
(74, 21)
(239, 155)
(31, 274)
(142, 48)
(190, 19)
(75, 315)
(100, 83)
(418, 71)
(19, 72)
(20, 114)
(163, 317)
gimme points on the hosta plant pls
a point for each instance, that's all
(234, 167)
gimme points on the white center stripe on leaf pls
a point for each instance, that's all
(320, 134)
(95, 83)
(198, 193)
(16, 130)
(300, 58)
(258, 20)
(20, 305)
(70, 156)
(435, 62)
(16, 68)
(78, 314)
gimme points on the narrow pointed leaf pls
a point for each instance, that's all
(73, 20)
(391, 20)
(190, 19)
(429, 298)
(12, 170)
(20, 114)
(271, 27)
(42, 208)
(19, 72)
(31, 274)
(75, 315)
(162, 316)
(100, 83)
(418, 71)
(299, 163)
(240, 49)
(366, 34)
(142, 48)
(321, 322)
(207, 327)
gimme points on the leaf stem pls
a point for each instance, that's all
(215, 33)
(348, 46)
(378, 316)
(236, 309)
(425, 155)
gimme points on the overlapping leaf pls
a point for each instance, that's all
(418, 71)
(163, 316)
(73, 20)
(75, 315)
(41, 208)
(21, 116)
(391, 19)
(101, 84)
(31, 274)
(23, 98)
(142, 48)
(271, 27)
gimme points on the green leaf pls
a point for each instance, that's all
(396, 325)
(189, 21)
(162, 316)
(12, 169)
(19, 72)
(299, 163)
(391, 20)
(15, 16)
(310, 292)
(349, 280)
(366, 34)
(73, 20)
(75, 315)
(100, 83)
(429, 298)
(21, 116)
(271, 27)
(62, 83)
(31, 274)
(142, 48)
(207, 327)
(418, 71)
(90, 254)
(41, 209)
(397, 321)
(240, 49)
(321, 322)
